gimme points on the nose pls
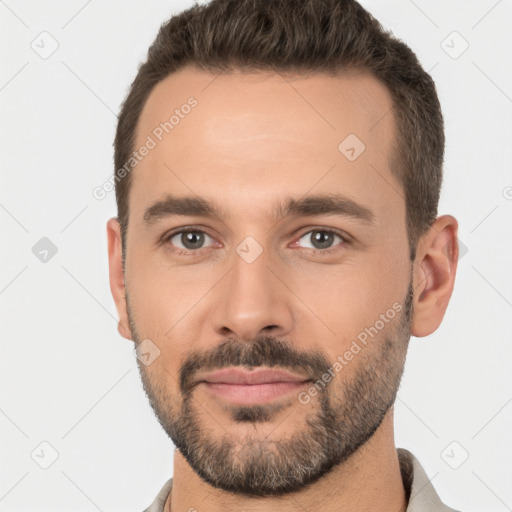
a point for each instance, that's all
(252, 300)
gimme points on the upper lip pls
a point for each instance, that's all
(242, 376)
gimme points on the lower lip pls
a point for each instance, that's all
(253, 393)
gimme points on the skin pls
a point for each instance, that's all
(253, 141)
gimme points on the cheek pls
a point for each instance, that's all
(162, 293)
(165, 302)
(352, 296)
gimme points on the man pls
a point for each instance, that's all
(278, 170)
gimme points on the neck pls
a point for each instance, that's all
(369, 480)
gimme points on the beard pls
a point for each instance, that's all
(344, 418)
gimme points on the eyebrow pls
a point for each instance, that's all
(328, 204)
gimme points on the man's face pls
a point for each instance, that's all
(322, 292)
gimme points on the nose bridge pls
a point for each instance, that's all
(252, 298)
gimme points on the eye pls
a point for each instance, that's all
(190, 240)
(321, 240)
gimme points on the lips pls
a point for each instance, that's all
(242, 387)
(245, 377)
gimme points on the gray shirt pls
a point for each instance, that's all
(420, 493)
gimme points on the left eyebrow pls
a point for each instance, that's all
(330, 204)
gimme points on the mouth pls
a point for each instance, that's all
(240, 386)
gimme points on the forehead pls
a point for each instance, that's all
(250, 135)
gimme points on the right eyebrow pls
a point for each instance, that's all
(171, 206)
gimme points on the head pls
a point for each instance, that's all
(283, 214)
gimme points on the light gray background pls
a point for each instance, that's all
(69, 379)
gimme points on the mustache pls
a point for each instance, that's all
(263, 351)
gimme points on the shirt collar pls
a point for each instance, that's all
(420, 493)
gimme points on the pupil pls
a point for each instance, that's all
(322, 239)
(192, 239)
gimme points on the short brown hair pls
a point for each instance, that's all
(301, 36)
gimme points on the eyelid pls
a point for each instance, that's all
(186, 229)
(342, 234)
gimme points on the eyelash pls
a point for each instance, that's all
(345, 240)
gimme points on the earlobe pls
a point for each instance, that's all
(434, 275)
(116, 275)
(123, 331)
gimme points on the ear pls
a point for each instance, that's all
(435, 267)
(115, 264)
